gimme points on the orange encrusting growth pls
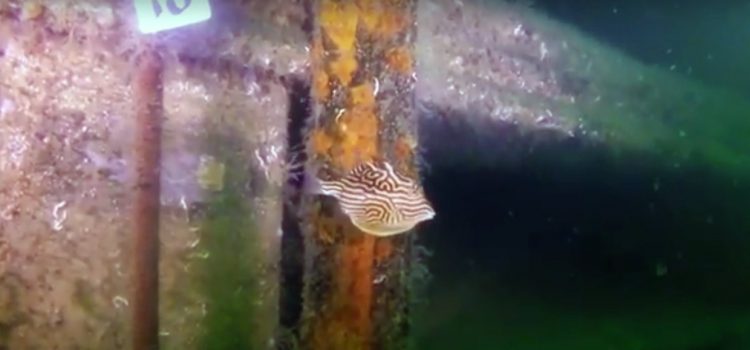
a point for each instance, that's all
(354, 137)
(338, 23)
(399, 59)
(380, 20)
(346, 322)
(349, 131)
(338, 20)
(383, 250)
(321, 90)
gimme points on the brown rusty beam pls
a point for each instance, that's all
(363, 102)
(149, 110)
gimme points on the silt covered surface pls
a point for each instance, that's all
(66, 157)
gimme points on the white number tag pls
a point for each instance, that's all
(157, 15)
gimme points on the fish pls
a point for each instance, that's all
(378, 199)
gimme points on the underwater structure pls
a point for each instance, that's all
(246, 258)
(362, 61)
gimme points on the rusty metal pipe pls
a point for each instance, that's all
(363, 98)
(147, 87)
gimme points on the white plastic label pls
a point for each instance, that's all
(158, 15)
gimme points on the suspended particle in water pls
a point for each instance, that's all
(661, 269)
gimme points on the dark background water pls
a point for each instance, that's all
(703, 39)
(579, 247)
(574, 237)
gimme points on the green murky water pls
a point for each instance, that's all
(639, 245)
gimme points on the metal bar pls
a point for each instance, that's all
(149, 112)
(363, 102)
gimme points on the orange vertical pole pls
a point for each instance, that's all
(148, 99)
(363, 102)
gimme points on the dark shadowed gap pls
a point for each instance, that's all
(292, 267)
(292, 241)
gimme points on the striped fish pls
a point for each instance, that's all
(378, 199)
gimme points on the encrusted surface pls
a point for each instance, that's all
(63, 231)
(66, 115)
(363, 94)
